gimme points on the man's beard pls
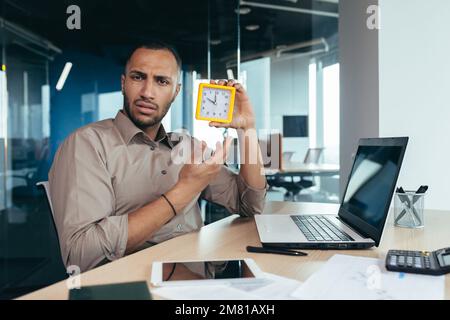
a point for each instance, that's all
(149, 122)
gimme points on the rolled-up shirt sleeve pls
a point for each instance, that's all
(230, 190)
(83, 199)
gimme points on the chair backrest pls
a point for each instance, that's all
(287, 156)
(46, 186)
(313, 155)
(47, 192)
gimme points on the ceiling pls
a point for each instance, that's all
(112, 27)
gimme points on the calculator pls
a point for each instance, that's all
(423, 262)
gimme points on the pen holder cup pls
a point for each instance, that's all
(408, 209)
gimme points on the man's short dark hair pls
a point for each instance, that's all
(156, 45)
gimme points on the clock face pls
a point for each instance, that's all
(215, 103)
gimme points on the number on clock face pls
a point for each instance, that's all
(215, 103)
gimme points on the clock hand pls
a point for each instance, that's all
(211, 100)
(215, 97)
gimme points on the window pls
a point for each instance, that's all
(331, 113)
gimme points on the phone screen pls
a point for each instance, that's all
(206, 270)
(446, 259)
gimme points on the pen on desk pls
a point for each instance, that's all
(276, 251)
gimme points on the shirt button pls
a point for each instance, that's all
(164, 172)
(152, 148)
(179, 227)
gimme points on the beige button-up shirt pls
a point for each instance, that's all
(107, 169)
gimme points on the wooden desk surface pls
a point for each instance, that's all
(227, 239)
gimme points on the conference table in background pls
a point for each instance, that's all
(290, 174)
(228, 238)
(300, 169)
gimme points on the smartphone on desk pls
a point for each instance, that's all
(117, 291)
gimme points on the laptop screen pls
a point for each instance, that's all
(371, 183)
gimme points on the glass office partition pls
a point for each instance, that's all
(223, 54)
(222, 60)
(54, 80)
(289, 56)
(223, 40)
(28, 250)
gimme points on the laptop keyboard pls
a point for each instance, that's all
(319, 228)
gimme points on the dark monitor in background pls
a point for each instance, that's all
(295, 126)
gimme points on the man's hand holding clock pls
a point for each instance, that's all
(251, 169)
(243, 116)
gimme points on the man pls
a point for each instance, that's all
(114, 184)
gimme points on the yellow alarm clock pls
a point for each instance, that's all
(215, 103)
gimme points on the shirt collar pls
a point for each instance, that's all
(128, 130)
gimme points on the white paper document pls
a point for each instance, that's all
(271, 287)
(347, 277)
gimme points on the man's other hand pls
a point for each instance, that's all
(196, 175)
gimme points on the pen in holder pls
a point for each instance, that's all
(409, 207)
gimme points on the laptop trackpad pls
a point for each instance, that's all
(278, 228)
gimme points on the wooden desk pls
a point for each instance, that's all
(228, 238)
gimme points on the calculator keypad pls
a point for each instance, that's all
(409, 259)
(422, 262)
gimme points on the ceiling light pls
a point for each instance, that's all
(252, 27)
(230, 74)
(215, 42)
(243, 10)
(63, 76)
(331, 1)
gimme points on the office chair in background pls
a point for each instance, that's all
(293, 188)
(312, 157)
(26, 195)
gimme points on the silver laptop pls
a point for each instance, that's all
(363, 210)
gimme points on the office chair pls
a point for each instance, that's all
(24, 195)
(29, 273)
(46, 187)
(292, 187)
(287, 156)
(312, 157)
(276, 161)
